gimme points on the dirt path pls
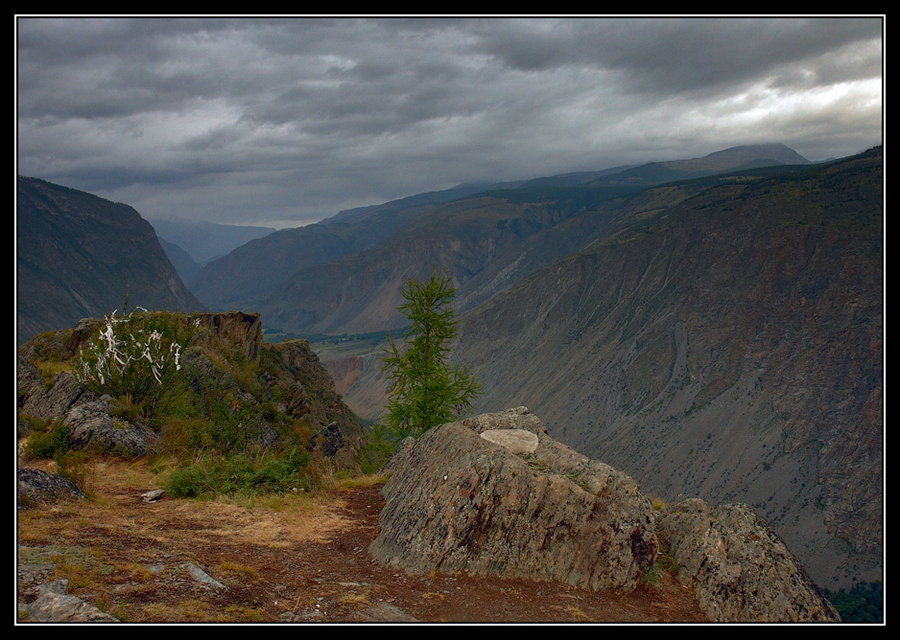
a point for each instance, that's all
(295, 560)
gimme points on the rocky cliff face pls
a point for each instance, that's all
(727, 347)
(496, 495)
(80, 256)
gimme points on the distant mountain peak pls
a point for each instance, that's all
(748, 155)
(772, 151)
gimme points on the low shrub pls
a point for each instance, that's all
(133, 354)
(240, 473)
(51, 442)
(72, 465)
(376, 450)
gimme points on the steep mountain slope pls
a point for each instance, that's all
(728, 346)
(482, 241)
(251, 273)
(184, 264)
(80, 256)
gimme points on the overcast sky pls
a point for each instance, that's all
(284, 121)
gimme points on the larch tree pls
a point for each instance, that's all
(424, 390)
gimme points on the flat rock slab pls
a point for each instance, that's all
(516, 440)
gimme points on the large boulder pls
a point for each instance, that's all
(738, 567)
(497, 495)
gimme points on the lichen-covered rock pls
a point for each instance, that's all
(739, 568)
(55, 605)
(458, 502)
(92, 427)
(516, 418)
(48, 402)
(36, 486)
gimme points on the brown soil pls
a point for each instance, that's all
(299, 559)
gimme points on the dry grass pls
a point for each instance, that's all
(236, 568)
(103, 545)
(300, 556)
(577, 614)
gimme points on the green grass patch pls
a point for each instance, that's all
(239, 473)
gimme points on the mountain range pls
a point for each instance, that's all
(728, 345)
(713, 326)
(343, 274)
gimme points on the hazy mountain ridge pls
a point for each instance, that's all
(270, 275)
(734, 159)
(205, 241)
(81, 256)
(250, 274)
(486, 243)
(183, 262)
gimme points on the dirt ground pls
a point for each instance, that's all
(280, 560)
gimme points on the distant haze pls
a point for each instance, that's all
(281, 122)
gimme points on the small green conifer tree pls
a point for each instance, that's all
(424, 390)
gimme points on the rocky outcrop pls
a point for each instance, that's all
(496, 495)
(85, 414)
(46, 401)
(738, 567)
(223, 360)
(458, 501)
(236, 329)
(310, 394)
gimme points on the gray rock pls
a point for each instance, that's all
(54, 605)
(86, 414)
(35, 486)
(516, 418)
(386, 612)
(35, 399)
(738, 567)
(458, 502)
(201, 576)
(516, 440)
(93, 427)
(330, 440)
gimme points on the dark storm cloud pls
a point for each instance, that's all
(656, 55)
(287, 120)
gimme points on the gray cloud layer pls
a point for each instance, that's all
(286, 120)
